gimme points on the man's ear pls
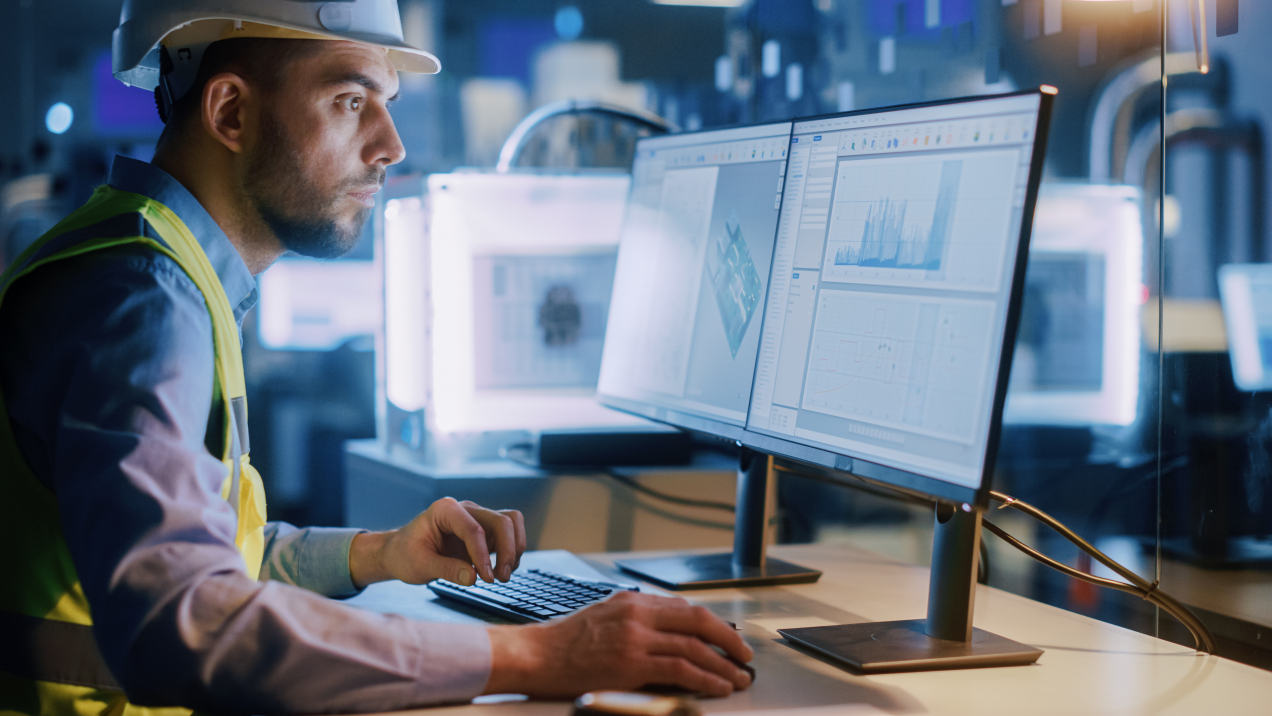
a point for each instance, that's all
(225, 100)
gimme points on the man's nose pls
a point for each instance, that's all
(385, 147)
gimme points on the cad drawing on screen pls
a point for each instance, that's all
(738, 288)
(900, 361)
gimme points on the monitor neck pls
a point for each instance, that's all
(749, 522)
(952, 586)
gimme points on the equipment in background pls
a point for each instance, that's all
(550, 136)
(534, 595)
(496, 291)
(641, 446)
(1078, 349)
(1246, 292)
(307, 304)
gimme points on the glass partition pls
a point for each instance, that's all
(1215, 551)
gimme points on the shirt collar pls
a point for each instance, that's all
(150, 181)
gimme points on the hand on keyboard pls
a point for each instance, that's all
(623, 643)
(450, 540)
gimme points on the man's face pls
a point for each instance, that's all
(323, 141)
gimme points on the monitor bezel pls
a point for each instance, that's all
(904, 480)
(681, 417)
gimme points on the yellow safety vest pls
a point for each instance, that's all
(50, 663)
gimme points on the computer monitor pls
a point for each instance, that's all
(896, 281)
(693, 266)
(1078, 348)
(889, 326)
(1246, 293)
(684, 321)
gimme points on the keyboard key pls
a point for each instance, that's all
(491, 596)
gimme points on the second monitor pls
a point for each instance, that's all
(684, 324)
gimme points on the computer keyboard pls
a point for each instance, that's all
(530, 596)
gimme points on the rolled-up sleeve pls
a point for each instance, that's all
(111, 382)
(313, 558)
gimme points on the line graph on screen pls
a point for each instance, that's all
(899, 361)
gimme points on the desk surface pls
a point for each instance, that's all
(1089, 667)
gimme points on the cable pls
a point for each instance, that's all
(509, 452)
(856, 484)
(1149, 591)
(982, 571)
(673, 499)
(983, 568)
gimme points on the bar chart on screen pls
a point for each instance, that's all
(900, 361)
(931, 220)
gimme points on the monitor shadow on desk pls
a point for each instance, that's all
(789, 678)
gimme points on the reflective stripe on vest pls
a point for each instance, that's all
(50, 662)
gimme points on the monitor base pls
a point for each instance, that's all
(715, 571)
(888, 647)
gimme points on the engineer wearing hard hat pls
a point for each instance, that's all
(139, 571)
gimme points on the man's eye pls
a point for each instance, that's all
(355, 103)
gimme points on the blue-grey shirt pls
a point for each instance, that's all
(107, 375)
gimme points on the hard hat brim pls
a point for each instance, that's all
(136, 72)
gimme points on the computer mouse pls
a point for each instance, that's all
(740, 664)
(669, 689)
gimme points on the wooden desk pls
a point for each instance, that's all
(1089, 668)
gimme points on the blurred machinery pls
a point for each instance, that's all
(1079, 349)
(497, 286)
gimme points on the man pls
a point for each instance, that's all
(139, 570)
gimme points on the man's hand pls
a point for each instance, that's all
(450, 540)
(623, 643)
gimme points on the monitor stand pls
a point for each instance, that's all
(946, 639)
(747, 565)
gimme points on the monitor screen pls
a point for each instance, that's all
(693, 268)
(893, 278)
(1246, 292)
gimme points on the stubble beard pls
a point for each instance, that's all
(301, 214)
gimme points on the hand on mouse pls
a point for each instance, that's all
(623, 643)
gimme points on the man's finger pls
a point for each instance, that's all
(678, 671)
(457, 521)
(455, 570)
(701, 655)
(501, 533)
(518, 521)
(683, 618)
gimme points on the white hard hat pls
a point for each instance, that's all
(182, 29)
